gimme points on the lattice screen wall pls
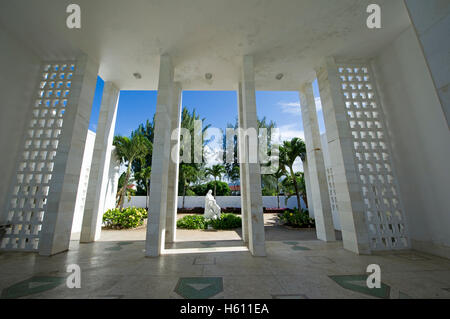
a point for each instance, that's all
(384, 212)
(332, 191)
(28, 199)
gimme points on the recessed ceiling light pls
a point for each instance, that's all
(208, 76)
(279, 76)
(137, 75)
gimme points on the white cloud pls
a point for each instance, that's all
(298, 165)
(289, 131)
(294, 107)
(212, 154)
(290, 107)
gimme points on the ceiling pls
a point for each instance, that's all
(204, 36)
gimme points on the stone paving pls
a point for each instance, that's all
(216, 264)
(292, 269)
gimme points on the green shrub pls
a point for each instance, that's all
(231, 210)
(191, 210)
(296, 218)
(126, 218)
(192, 222)
(226, 221)
(222, 189)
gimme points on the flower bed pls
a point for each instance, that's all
(274, 210)
(296, 219)
(126, 218)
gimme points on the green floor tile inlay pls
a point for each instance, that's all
(300, 248)
(31, 286)
(208, 243)
(124, 243)
(199, 287)
(358, 283)
(114, 248)
(291, 243)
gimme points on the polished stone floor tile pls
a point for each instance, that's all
(292, 270)
(199, 287)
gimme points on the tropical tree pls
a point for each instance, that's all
(275, 183)
(190, 172)
(129, 187)
(202, 189)
(138, 166)
(188, 175)
(144, 175)
(129, 150)
(234, 174)
(215, 171)
(233, 169)
(188, 122)
(287, 186)
(289, 152)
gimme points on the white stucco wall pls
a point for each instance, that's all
(431, 19)
(420, 141)
(19, 71)
(222, 201)
(83, 185)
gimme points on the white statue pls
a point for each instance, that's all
(212, 210)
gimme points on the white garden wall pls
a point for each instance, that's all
(222, 201)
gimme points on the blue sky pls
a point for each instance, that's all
(218, 107)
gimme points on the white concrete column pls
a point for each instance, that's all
(350, 202)
(255, 218)
(156, 227)
(98, 177)
(308, 188)
(83, 186)
(113, 181)
(316, 167)
(172, 189)
(60, 208)
(243, 166)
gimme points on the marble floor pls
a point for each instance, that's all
(293, 269)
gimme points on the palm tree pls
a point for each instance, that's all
(144, 175)
(233, 169)
(189, 174)
(288, 188)
(128, 150)
(215, 171)
(138, 166)
(188, 122)
(276, 177)
(289, 152)
(234, 174)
